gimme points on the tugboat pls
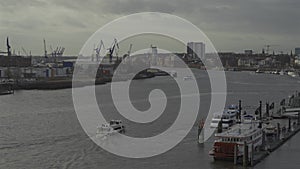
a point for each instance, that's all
(230, 144)
(114, 126)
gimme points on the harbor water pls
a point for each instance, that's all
(40, 129)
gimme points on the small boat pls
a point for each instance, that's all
(187, 78)
(230, 143)
(228, 117)
(258, 71)
(276, 72)
(117, 125)
(248, 118)
(114, 126)
(270, 130)
(293, 74)
(6, 87)
(173, 74)
(282, 72)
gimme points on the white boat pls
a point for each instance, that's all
(173, 74)
(248, 118)
(228, 117)
(276, 72)
(234, 140)
(282, 72)
(258, 71)
(114, 126)
(187, 78)
(270, 130)
(292, 74)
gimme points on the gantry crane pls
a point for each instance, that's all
(111, 50)
(98, 50)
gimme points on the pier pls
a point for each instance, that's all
(274, 132)
(271, 144)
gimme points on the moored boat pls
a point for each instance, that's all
(186, 78)
(230, 144)
(228, 117)
(270, 130)
(114, 126)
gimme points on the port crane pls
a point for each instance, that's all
(112, 49)
(59, 51)
(268, 47)
(98, 50)
(24, 51)
(129, 52)
(8, 47)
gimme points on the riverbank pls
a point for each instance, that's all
(55, 84)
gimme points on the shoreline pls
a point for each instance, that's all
(56, 84)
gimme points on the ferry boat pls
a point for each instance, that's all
(114, 126)
(234, 140)
(228, 117)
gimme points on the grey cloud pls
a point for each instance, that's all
(232, 24)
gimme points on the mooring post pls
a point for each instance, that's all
(240, 111)
(267, 109)
(201, 132)
(298, 119)
(220, 126)
(245, 155)
(260, 110)
(263, 140)
(260, 114)
(278, 131)
(235, 154)
(252, 155)
(290, 125)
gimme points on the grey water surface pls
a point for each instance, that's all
(40, 129)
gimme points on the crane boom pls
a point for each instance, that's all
(112, 49)
(98, 50)
(129, 51)
(8, 47)
(24, 51)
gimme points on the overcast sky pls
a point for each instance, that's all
(232, 25)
